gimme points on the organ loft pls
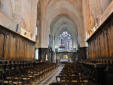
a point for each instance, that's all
(56, 42)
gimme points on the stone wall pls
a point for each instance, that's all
(52, 9)
(19, 16)
(93, 12)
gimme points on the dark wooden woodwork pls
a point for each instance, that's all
(100, 45)
(21, 72)
(42, 53)
(82, 53)
(100, 53)
(73, 74)
(1, 44)
(14, 46)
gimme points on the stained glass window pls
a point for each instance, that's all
(65, 42)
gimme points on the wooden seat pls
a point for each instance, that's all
(14, 72)
(73, 74)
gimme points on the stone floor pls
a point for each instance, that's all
(52, 77)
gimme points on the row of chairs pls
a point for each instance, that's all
(99, 61)
(74, 74)
(24, 72)
(102, 69)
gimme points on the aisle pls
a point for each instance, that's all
(52, 77)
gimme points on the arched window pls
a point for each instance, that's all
(36, 30)
(36, 54)
(65, 41)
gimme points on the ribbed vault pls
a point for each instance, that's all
(63, 24)
(60, 14)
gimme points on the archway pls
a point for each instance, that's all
(63, 42)
(63, 36)
(63, 25)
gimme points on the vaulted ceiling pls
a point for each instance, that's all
(60, 15)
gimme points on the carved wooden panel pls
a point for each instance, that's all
(101, 43)
(14, 46)
(1, 45)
